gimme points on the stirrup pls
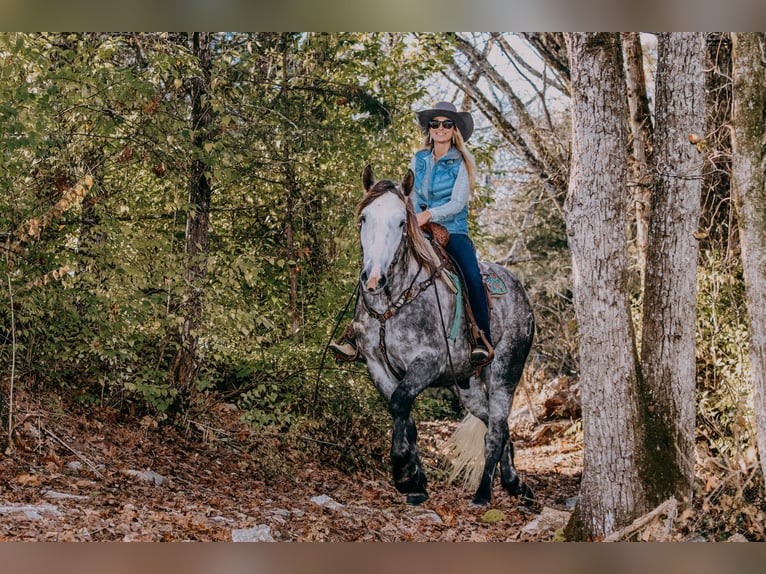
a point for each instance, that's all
(480, 356)
(483, 353)
(346, 351)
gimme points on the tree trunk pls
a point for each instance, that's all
(642, 132)
(668, 360)
(611, 492)
(184, 367)
(291, 191)
(289, 234)
(749, 185)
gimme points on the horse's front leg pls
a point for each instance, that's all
(409, 477)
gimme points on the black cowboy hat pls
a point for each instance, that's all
(463, 120)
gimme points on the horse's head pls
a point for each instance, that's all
(385, 220)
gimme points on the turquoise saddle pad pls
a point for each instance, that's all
(495, 285)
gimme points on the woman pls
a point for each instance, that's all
(445, 174)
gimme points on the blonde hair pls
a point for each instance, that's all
(459, 144)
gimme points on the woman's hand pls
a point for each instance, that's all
(423, 217)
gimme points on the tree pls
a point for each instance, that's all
(611, 492)
(642, 138)
(183, 369)
(638, 418)
(668, 357)
(749, 186)
(178, 269)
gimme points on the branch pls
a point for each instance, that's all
(13, 359)
(669, 507)
(74, 452)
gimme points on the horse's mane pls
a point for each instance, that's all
(417, 243)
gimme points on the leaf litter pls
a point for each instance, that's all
(87, 474)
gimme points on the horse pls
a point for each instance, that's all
(399, 329)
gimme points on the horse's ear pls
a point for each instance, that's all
(408, 182)
(368, 179)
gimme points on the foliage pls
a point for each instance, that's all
(97, 281)
(723, 387)
(98, 290)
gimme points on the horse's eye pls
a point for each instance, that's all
(401, 224)
(362, 219)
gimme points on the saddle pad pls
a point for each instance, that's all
(495, 285)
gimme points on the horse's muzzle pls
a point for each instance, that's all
(373, 283)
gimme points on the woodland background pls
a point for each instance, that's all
(177, 222)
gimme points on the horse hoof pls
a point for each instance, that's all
(416, 499)
(527, 495)
(480, 501)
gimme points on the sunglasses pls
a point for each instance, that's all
(447, 124)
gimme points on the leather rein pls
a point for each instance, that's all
(407, 296)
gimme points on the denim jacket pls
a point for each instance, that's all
(443, 188)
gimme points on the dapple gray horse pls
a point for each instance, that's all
(399, 325)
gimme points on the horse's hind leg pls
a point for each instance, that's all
(509, 477)
(494, 442)
(498, 448)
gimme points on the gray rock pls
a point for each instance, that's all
(327, 502)
(260, 533)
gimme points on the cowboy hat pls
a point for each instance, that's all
(463, 120)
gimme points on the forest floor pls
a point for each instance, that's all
(84, 474)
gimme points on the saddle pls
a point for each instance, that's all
(439, 236)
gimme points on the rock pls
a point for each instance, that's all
(260, 533)
(32, 511)
(737, 538)
(419, 513)
(547, 523)
(146, 475)
(326, 501)
(63, 495)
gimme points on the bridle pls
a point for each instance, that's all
(407, 296)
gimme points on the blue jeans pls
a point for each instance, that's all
(461, 249)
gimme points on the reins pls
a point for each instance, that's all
(465, 385)
(332, 336)
(408, 296)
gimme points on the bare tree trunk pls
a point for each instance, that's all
(611, 492)
(184, 367)
(642, 131)
(749, 179)
(668, 359)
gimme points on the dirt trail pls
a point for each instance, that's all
(92, 478)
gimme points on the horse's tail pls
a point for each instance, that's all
(465, 452)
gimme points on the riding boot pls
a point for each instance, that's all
(482, 353)
(462, 251)
(345, 348)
